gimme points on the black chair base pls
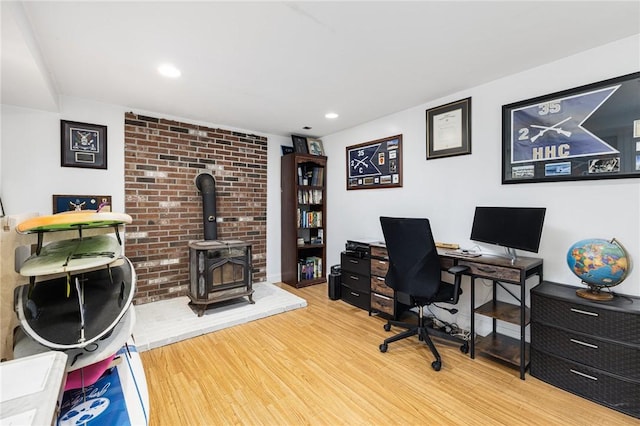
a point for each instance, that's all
(423, 332)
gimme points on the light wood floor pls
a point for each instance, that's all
(320, 365)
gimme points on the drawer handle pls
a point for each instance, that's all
(382, 262)
(353, 277)
(589, 345)
(354, 261)
(489, 270)
(583, 375)
(380, 278)
(355, 294)
(579, 311)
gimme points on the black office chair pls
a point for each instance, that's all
(415, 275)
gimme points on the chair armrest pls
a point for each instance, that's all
(457, 272)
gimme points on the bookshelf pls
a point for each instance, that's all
(303, 219)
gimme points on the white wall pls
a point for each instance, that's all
(447, 190)
(30, 171)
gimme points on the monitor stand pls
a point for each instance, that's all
(511, 254)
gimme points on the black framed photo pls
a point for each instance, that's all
(375, 164)
(83, 145)
(69, 203)
(300, 144)
(588, 132)
(315, 146)
(449, 129)
(287, 149)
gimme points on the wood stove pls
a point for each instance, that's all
(219, 270)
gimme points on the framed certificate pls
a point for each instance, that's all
(588, 132)
(449, 129)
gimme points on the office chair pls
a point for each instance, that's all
(415, 275)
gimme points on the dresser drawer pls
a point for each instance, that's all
(378, 285)
(360, 299)
(355, 281)
(382, 303)
(615, 358)
(492, 272)
(379, 267)
(593, 320)
(612, 391)
(381, 252)
(354, 264)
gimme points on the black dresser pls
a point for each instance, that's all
(589, 348)
(355, 263)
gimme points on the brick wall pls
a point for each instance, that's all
(162, 159)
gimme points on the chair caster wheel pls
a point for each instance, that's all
(464, 348)
(436, 365)
(387, 327)
(383, 347)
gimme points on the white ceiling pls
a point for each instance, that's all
(275, 67)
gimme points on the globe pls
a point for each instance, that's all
(598, 263)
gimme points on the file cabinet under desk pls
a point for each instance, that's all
(355, 286)
(589, 348)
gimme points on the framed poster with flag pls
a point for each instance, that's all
(588, 132)
(375, 164)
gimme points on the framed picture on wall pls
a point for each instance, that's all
(67, 203)
(83, 145)
(449, 129)
(375, 164)
(588, 132)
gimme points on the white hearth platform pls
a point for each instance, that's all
(170, 321)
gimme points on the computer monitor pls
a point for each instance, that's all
(509, 227)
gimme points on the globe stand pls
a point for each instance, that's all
(593, 293)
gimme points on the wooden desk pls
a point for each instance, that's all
(499, 270)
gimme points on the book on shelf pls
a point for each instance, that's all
(310, 268)
(309, 196)
(310, 175)
(318, 239)
(308, 219)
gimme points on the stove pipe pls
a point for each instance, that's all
(206, 184)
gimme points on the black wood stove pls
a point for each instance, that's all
(219, 270)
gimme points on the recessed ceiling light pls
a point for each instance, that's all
(331, 115)
(169, 70)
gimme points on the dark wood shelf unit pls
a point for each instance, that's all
(293, 202)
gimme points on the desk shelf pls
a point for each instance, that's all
(502, 347)
(504, 311)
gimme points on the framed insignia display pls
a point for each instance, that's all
(66, 203)
(375, 164)
(589, 132)
(83, 145)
